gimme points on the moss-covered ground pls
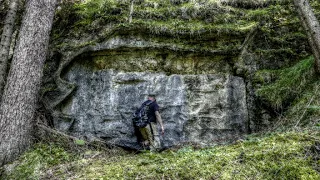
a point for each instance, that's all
(286, 155)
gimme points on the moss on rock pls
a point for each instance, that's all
(213, 25)
(170, 62)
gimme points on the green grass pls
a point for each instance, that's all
(286, 155)
(32, 164)
(169, 16)
(215, 25)
(305, 110)
(272, 157)
(293, 92)
(280, 87)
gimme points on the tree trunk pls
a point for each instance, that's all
(312, 27)
(6, 41)
(21, 92)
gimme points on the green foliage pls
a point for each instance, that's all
(272, 156)
(305, 110)
(283, 86)
(216, 25)
(92, 15)
(79, 142)
(41, 157)
(252, 3)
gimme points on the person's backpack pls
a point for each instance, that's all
(140, 117)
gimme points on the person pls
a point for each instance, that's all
(150, 133)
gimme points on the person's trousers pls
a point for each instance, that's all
(151, 134)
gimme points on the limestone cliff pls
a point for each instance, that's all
(198, 57)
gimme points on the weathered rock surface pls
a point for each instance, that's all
(204, 109)
(191, 54)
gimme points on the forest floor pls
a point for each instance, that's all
(293, 154)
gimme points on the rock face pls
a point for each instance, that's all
(192, 54)
(204, 108)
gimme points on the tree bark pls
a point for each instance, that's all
(20, 97)
(6, 41)
(312, 27)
